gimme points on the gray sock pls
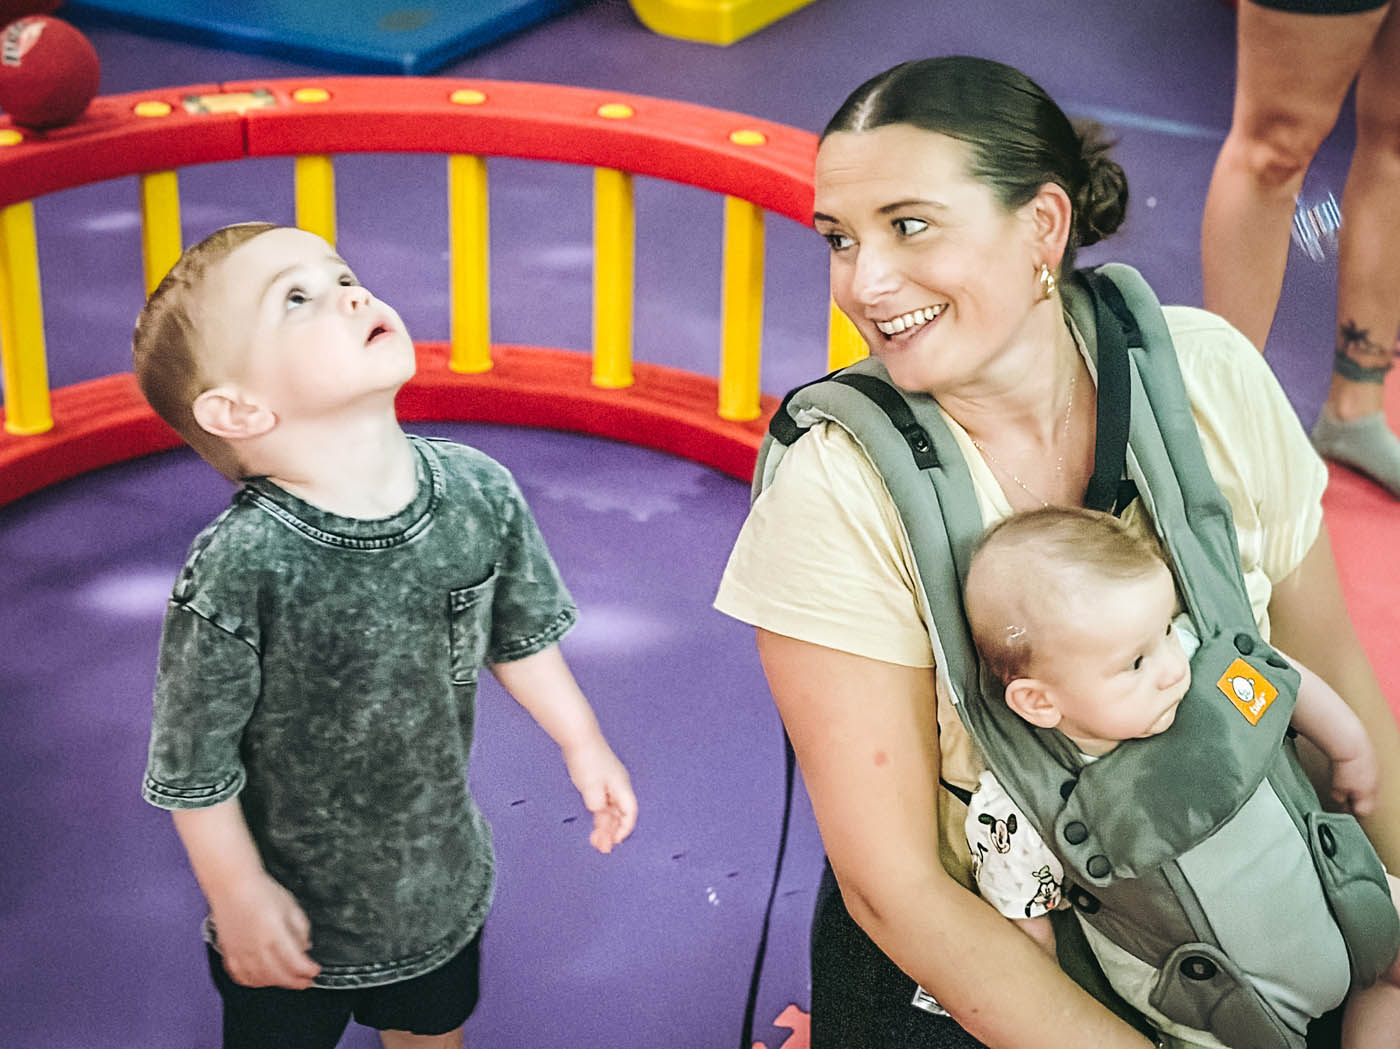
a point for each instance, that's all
(1365, 444)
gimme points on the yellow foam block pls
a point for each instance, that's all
(712, 21)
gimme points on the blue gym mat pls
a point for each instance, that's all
(353, 36)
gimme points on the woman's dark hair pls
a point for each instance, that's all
(1018, 139)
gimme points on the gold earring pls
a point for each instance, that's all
(1047, 282)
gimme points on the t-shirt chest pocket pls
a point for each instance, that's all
(469, 628)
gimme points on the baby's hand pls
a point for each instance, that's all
(1356, 782)
(606, 790)
(263, 936)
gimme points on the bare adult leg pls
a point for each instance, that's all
(1293, 72)
(1353, 429)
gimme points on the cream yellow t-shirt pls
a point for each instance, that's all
(823, 557)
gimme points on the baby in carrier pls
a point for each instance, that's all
(1080, 619)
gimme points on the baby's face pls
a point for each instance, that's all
(1116, 668)
(284, 317)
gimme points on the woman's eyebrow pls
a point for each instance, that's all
(900, 205)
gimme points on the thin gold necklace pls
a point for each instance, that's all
(1059, 459)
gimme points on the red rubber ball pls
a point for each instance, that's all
(48, 72)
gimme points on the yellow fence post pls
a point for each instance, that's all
(25, 367)
(613, 267)
(468, 218)
(160, 225)
(742, 310)
(315, 196)
(844, 344)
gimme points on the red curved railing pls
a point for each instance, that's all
(104, 420)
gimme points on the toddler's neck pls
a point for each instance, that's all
(368, 474)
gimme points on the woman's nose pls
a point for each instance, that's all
(875, 276)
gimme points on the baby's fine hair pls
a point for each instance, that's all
(168, 346)
(1030, 570)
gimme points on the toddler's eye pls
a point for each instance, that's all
(347, 280)
(908, 227)
(297, 297)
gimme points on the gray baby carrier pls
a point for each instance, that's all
(1203, 852)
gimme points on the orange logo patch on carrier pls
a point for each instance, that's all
(1247, 689)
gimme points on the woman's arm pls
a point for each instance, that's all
(1309, 621)
(866, 736)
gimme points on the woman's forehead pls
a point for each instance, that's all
(894, 162)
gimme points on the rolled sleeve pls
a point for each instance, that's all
(207, 685)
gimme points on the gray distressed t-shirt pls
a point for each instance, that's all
(323, 669)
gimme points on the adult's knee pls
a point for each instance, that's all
(1276, 153)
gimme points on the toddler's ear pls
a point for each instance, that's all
(225, 412)
(1030, 698)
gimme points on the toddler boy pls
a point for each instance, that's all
(315, 696)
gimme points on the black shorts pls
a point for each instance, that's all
(434, 1003)
(1321, 7)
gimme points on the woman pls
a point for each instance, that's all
(953, 193)
(1297, 60)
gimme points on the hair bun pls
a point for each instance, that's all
(1102, 200)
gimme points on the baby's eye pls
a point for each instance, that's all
(838, 241)
(1137, 663)
(1171, 627)
(907, 227)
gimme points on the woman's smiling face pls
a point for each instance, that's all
(937, 275)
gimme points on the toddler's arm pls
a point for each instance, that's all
(1323, 717)
(544, 686)
(263, 933)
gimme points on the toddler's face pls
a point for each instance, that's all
(1116, 669)
(285, 317)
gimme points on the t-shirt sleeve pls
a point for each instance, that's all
(1015, 871)
(819, 557)
(1254, 443)
(530, 606)
(207, 683)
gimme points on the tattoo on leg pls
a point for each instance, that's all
(1359, 358)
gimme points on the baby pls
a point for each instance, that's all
(1079, 618)
(315, 696)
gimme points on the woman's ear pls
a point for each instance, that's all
(225, 411)
(1050, 214)
(1031, 699)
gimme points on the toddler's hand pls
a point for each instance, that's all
(264, 936)
(603, 783)
(1356, 782)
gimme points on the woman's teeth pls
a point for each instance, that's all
(906, 321)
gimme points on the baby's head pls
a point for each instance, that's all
(1074, 614)
(259, 328)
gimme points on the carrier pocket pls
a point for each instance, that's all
(1201, 988)
(469, 628)
(1358, 892)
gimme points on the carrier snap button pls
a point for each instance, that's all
(1327, 840)
(1076, 833)
(1086, 902)
(1244, 644)
(1195, 967)
(920, 442)
(1066, 789)
(1098, 866)
(1276, 660)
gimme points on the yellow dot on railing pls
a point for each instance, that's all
(151, 108)
(311, 94)
(615, 111)
(467, 97)
(10, 137)
(748, 137)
